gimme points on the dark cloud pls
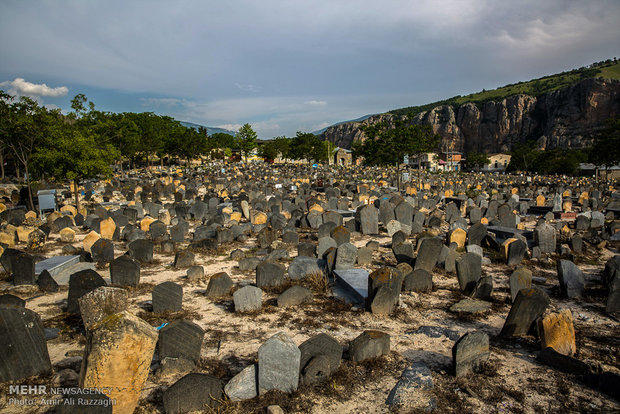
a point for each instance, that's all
(262, 62)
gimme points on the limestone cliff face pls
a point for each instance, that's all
(566, 118)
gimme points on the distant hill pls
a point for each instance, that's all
(608, 69)
(210, 130)
(564, 110)
(362, 118)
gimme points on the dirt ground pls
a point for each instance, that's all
(512, 381)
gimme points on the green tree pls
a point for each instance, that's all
(524, 157)
(24, 127)
(246, 137)
(606, 148)
(477, 160)
(387, 142)
(308, 146)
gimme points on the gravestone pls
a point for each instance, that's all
(521, 278)
(527, 307)
(167, 297)
(418, 280)
(384, 287)
(81, 283)
(369, 220)
(141, 250)
(100, 303)
(180, 339)
(320, 345)
(102, 251)
(248, 299)
(369, 344)
(428, 253)
(468, 272)
(302, 266)
(470, 353)
(269, 274)
(121, 369)
(278, 364)
(24, 350)
(346, 256)
(23, 269)
(124, 271)
(219, 285)
(572, 282)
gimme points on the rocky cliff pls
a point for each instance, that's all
(565, 118)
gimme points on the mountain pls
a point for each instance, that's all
(361, 118)
(557, 111)
(210, 130)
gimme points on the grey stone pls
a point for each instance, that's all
(195, 273)
(527, 307)
(572, 282)
(81, 283)
(369, 220)
(470, 352)
(369, 344)
(192, 393)
(346, 256)
(468, 272)
(294, 296)
(102, 251)
(269, 274)
(521, 278)
(248, 299)
(183, 258)
(516, 252)
(24, 350)
(324, 244)
(319, 345)
(243, 386)
(278, 364)
(413, 389)
(167, 297)
(544, 236)
(180, 339)
(418, 281)
(470, 306)
(302, 267)
(384, 287)
(141, 250)
(248, 263)
(124, 271)
(428, 253)
(219, 285)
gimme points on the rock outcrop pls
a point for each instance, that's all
(565, 118)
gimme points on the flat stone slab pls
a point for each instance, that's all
(56, 265)
(63, 275)
(354, 282)
(508, 232)
(471, 306)
(346, 213)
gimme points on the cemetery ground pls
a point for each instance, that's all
(417, 372)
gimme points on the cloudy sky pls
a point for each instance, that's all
(290, 65)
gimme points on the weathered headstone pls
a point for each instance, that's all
(122, 368)
(180, 339)
(100, 303)
(124, 271)
(24, 350)
(248, 299)
(428, 253)
(167, 297)
(572, 282)
(219, 285)
(470, 352)
(193, 393)
(527, 307)
(278, 364)
(369, 344)
(269, 274)
(81, 283)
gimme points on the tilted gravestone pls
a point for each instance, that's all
(24, 350)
